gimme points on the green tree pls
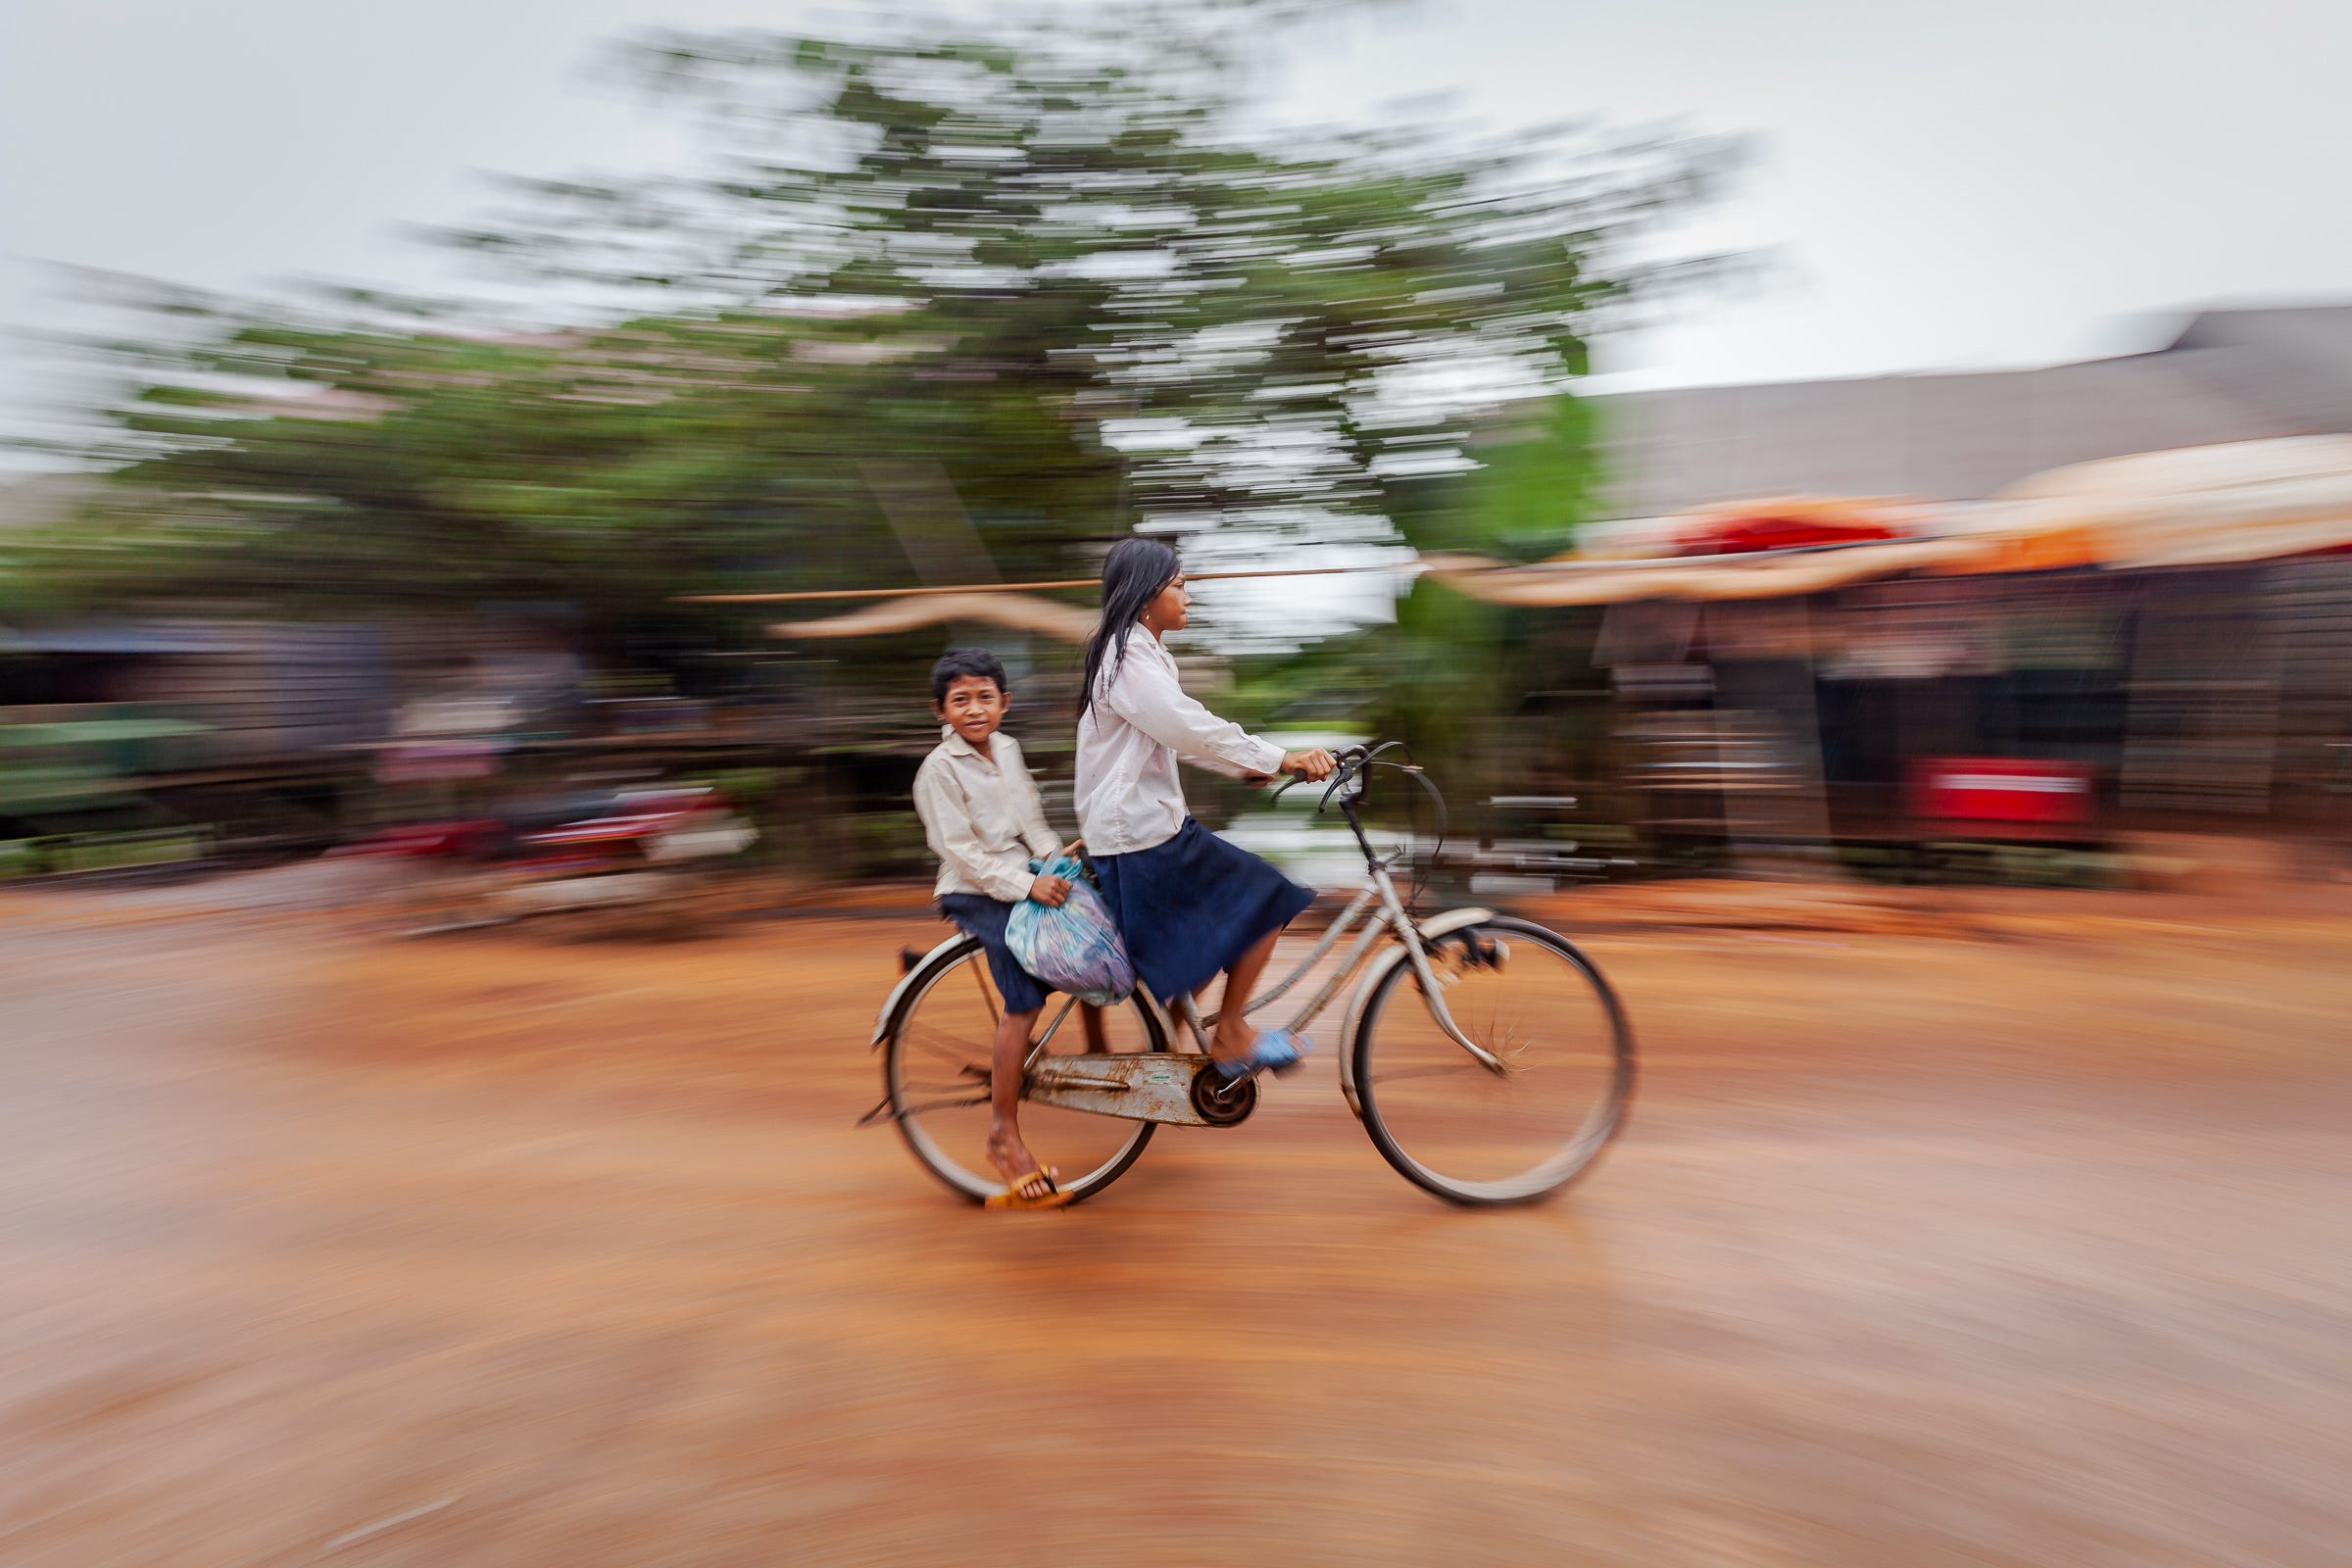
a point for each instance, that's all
(1038, 280)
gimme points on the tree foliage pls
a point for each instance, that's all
(1039, 280)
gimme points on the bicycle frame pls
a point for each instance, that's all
(1383, 912)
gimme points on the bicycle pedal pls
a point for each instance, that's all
(908, 959)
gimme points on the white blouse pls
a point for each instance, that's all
(1128, 795)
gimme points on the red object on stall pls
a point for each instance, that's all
(1793, 522)
(1753, 535)
(2000, 789)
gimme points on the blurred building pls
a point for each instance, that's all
(2073, 700)
(2226, 376)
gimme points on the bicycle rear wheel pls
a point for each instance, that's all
(935, 1074)
(1462, 1131)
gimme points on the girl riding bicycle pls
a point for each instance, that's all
(1189, 904)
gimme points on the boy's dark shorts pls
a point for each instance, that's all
(983, 918)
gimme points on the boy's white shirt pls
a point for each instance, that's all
(1129, 797)
(982, 817)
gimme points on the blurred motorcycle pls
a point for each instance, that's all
(640, 855)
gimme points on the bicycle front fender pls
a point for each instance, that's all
(1436, 926)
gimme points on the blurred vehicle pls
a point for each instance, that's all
(1535, 844)
(645, 853)
(72, 797)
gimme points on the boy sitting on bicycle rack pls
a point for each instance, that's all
(983, 819)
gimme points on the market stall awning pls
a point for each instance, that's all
(2239, 502)
(1046, 618)
(2197, 505)
(1775, 575)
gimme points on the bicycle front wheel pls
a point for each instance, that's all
(1466, 1131)
(936, 1074)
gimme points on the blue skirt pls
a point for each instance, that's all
(1189, 907)
(983, 918)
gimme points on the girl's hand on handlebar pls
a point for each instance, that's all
(1318, 765)
(1050, 891)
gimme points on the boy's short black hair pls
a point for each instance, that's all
(956, 661)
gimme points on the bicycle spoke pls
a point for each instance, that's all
(956, 1059)
(988, 994)
(929, 1106)
(960, 1083)
(945, 1046)
(1463, 1063)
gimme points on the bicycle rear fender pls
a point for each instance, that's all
(889, 1004)
(1391, 956)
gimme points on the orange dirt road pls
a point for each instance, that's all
(2018, 1234)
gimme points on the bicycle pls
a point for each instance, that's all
(1504, 1088)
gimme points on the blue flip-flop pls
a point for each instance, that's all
(1277, 1051)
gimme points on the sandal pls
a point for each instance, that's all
(1276, 1051)
(1056, 1195)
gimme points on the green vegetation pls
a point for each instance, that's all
(933, 309)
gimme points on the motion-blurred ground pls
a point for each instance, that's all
(1984, 1228)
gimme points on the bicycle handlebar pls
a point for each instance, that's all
(1357, 762)
(1354, 762)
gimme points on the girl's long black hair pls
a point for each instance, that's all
(1133, 574)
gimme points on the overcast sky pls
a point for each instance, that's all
(2004, 182)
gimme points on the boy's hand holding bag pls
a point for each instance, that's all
(1072, 946)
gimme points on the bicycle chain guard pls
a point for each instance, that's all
(1157, 1086)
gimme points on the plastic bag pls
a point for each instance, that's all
(1074, 949)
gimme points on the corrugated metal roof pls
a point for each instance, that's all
(2231, 375)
